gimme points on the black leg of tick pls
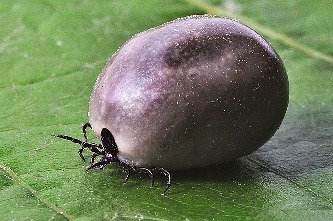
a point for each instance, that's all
(147, 171)
(108, 151)
(165, 173)
(84, 130)
(80, 151)
(127, 170)
(95, 148)
(100, 164)
(150, 171)
(92, 159)
(74, 140)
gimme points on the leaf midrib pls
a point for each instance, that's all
(268, 32)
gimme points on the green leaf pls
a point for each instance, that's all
(51, 53)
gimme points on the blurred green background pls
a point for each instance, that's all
(51, 53)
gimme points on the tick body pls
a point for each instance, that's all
(193, 92)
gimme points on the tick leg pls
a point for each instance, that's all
(92, 147)
(127, 171)
(83, 144)
(74, 140)
(65, 137)
(167, 175)
(84, 130)
(81, 153)
(100, 164)
(92, 159)
(149, 172)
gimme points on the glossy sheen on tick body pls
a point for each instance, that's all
(189, 93)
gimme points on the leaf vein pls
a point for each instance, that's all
(284, 39)
(20, 182)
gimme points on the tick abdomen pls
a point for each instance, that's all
(190, 93)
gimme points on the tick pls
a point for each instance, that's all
(196, 91)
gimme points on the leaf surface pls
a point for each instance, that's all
(51, 53)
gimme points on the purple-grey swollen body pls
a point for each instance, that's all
(189, 93)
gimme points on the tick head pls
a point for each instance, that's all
(109, 143)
